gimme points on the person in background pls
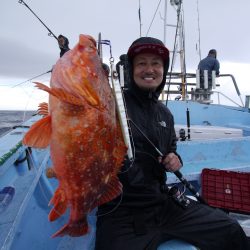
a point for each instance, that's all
(106, 69)
(123, 62)
(146, 214)
(209, 63)
(63, 43)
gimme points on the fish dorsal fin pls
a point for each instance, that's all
(112, 190)
(39, 133)
(69, 98)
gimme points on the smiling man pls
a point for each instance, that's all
(146, 214)
(148, 71)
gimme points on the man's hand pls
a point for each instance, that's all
(170, 162)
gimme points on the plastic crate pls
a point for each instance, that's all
(228, 190)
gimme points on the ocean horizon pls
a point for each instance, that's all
(11, 118)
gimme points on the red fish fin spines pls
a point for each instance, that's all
(60, 205)
(73, 229)
(111, 191)
(86, 93)
(39, 134)
(84, 90)
(43, 109)
(89, 94)
(60, 94)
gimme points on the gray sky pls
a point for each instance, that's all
(26, 50)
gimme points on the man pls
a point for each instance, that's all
(146, 215)
(210, 63)
(63, 43)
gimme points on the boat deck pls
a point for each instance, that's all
(27, 214)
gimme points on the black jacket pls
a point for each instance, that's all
(144, 178)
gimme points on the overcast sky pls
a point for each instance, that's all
(26, 50)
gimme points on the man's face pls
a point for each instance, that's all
(148, 71)
(61, 42)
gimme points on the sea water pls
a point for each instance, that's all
(11, 118)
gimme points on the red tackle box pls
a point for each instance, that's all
(228, 190)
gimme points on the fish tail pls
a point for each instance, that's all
(73, 229)
(60, 205)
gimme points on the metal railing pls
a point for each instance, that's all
(196, 89)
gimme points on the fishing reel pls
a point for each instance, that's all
(179, 196)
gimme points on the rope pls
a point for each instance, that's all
(12, 151)
(153, 17)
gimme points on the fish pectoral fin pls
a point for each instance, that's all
(73, 229)
(60, 204)
(39, 134)
(43, 109)
(111, 191)
(65, 96)
(88, 93)
(80, 87)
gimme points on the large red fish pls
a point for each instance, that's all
(85, 138)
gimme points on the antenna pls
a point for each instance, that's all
(199, 31)
(165, 23)
(139, 13)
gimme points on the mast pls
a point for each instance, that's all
(181, 48)
(165, 23)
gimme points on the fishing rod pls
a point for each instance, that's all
(177, 173)
(50, 32)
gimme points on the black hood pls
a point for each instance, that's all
(66, 41)
(150, 45)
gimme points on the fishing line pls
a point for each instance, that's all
(34, 77)
(113, 209)
(177, 173)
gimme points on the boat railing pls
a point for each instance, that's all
(193, 89)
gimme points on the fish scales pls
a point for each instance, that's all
(82, 129)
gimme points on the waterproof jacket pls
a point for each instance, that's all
(143, 178)
(209, 63)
